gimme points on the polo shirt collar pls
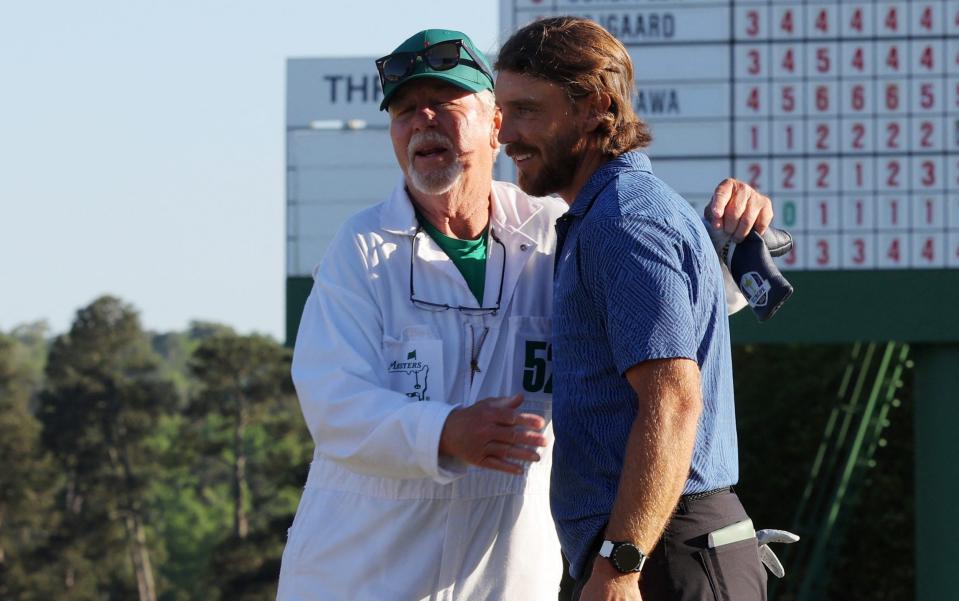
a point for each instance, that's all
(628, 161)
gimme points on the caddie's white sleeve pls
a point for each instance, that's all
(353, 417)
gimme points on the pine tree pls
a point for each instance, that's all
(104, 395)
(241, 378)
(26, 476)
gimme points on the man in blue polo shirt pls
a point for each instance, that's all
(645, 453)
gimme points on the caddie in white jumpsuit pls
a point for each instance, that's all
(421, 486)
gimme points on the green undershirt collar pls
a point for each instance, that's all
(469, 256)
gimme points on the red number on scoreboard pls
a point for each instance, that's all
(786, 23)
(789, 137)
(823, 170)
(892, 58)
(789, 174)
(926, 58)
(928, 250)
(752, 23)
(892, 96)
(752, 101)
(822, 21)
(892, 179)
(822, 60)
(823, 213)
(789, 99)
(892, 130)
(823, 257)
(892, 19)
(855, 21)
(822, 136)
(790, 258)
(859, 182)
(822, 98)
(927, 98)
(858, 59)
(893, 252)
(858, 132)
(754, 136)
(789, 61)
(928, 174)
(858, 97)
(926, 21)
(755, 171)
(753, 68)
(858, 211)
(927, 129)
(860, 256)
(929, 212)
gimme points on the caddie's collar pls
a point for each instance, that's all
(399, 217)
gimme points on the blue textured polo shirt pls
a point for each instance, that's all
(636, 279)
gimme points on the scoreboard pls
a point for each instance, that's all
(845, 113)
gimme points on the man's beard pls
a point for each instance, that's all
(558, 161)
(439, 181)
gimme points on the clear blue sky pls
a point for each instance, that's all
(141, 147)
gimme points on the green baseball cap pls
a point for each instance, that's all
(442, 54)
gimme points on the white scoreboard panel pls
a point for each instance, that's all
(845, 113)
(339, 158)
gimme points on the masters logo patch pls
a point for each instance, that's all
(414, 376)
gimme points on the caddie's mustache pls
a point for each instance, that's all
(427, 140)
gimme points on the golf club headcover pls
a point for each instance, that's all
(751, 265)
(779, 242)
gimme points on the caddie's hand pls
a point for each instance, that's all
(736, 208)
(607, 584)
(493, 434)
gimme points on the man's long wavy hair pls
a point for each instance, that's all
(583, 58)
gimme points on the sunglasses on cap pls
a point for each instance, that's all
(441, 56)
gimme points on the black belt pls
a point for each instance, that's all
(696, 496)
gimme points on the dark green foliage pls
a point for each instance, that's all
(883, 526)
(247, 449)
(27, 477)
(104, 394)
(241, 378)
(784, 395)
(247, 569)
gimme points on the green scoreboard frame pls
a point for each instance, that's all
(915, 305)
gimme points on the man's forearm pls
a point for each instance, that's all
(658, 451)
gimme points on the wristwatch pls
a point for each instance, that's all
(625, 557)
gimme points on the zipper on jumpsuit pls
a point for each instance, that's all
(476, 347)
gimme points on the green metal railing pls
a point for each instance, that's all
(853, 433)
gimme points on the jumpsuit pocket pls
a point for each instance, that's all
(413, 363)
(735, 572)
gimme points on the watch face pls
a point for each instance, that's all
(627, 557)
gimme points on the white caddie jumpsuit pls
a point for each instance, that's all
(382, 518)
